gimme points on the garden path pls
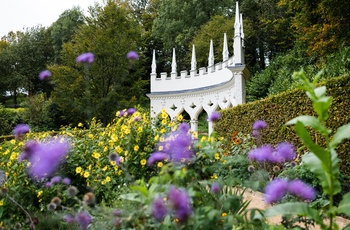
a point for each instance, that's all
(257, 201)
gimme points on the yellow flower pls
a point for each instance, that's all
(139, 129)
(78, 170)
(224, 214)
(214, 176)
(39, 194)
(9, 164)
(143, 161)
(136, 148)
(12, 141)
(160, 164)
(89, 167)
(163, 130)
(108, 179)
(96, 155)
(1, 202)
(180, 117)
(119, 149)
(164, 122)
(105, 149)
(103, 182)
(91, 136)
(120, 172)
(105, 168)
(156, 138)
(217, 156)
(86, 174)
(80, 124)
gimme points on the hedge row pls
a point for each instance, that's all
(9, 118)
(278, 109)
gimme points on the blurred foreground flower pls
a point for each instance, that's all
(86, 58)
(20, 130)
(214, 116)
(132, 55)
(44, 74)
(180, 203)
(45, 157)
(177, 147)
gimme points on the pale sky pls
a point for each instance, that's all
(17, 15)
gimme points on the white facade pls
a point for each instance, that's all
(217, 86)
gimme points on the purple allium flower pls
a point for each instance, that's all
(121, 113)
(66, 181)
(259, 124)
(214, 116)
(137, 118)
(48, 184)
(69, 219)
(132, 55)
(261, 154)
(130, 111)
(286, 150)
(21, 129)
(84, 219)
(157, 156)
(215, 187)
(55, 180)
(180, 203)
(44, 74)
(159, 208)
(276, 190)
(301, 190)
(45, 157)
(86, 58)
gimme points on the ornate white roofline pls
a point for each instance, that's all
(217, 86)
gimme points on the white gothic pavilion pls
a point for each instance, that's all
(217, 86)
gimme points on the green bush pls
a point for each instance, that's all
(9, 118)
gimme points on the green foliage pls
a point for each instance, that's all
(322, 160)
(278, 109)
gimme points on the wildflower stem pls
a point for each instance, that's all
(30, 218)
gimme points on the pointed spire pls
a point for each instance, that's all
(225, 49)
(194, 61)
(242, 33)
(211, 54)
(154, 65)
(237, 21)
(173, 64)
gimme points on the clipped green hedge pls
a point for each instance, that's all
(278, 109)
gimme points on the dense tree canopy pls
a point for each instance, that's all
(281, 36)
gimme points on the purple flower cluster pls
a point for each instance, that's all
(20, 130)
(178, 203)
(283, 152)
(86, 58)
(45, 157)
(57, 179)
(44, 75)
(214, 116)
(177, 147)
(215, 187)
(83, 218)
(278, 188)
(129, 111)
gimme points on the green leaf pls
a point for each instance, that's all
(325, 172)
(132, 197)
(311, 122)
(342, 133)
(344, 205)
(296, 208)
(142, 189)
(304, 135)
(320, 91)
(321, 107)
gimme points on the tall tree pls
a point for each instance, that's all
(112, 81)
(63, 29)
